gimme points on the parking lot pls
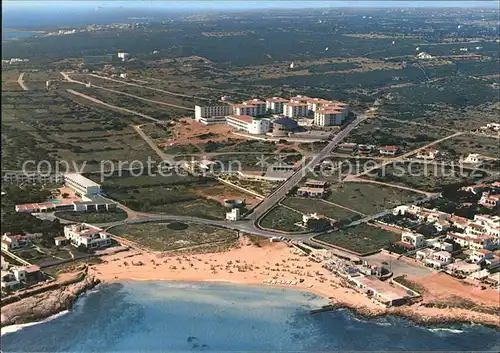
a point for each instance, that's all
(399, 267)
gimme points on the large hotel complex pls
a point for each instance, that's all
(257, 116)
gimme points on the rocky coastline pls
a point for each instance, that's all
(420, 316)
(46, 304)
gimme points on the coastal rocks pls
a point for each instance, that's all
(43, 305)
(422, 316)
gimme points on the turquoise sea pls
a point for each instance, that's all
(167, 316)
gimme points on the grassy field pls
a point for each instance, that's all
(47, 255)
(170, 194)
(426, 177)
(156, 110)
(281, 218)
(93, 217)
(175, 235)
(463, 145)
(317, 206)
(382, 132)
(42, 125)
(369, 198)
(264, 187)
(360, 239)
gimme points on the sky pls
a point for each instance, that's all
(231, 4)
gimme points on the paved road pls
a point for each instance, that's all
(279, 193)
(242, 226)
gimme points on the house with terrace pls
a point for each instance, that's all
(86, 235)
(412, 240)
(438, 260)
(490, 201)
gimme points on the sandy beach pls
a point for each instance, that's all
(247, 264)
(252, 265)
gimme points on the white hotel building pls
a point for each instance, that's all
(245, 109)
(295, 109)
(81, 185)
(333, 113)
(214, 114)
(327, 117)
(275, 104)
(249, 124)
(260, 106)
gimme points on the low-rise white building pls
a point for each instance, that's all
(389, 150)
(415, 240)
(491, 223)
(32, 178)
(423, 254)
(122, 55)
(8, 281)
(87, 235)
(81, 185)
(439, 245)
(428, 154)
(478, 255)
(233, 215)
(489, 201)
(438, 260)
(442, 226)
(472, 158)
(249, 124)
(424, 55)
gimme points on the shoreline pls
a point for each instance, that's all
(244, 265)
(427, 322)
(363, 312)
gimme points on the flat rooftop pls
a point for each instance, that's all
(80, 179)
(389, 291)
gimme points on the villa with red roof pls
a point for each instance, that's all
(87, 235)
(389, 150)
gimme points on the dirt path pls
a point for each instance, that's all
(343, 207)
(407, 154)
(151, 143)
(95, 100)
(146, 87)
(20, 80)
(69, 79)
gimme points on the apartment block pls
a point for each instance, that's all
(295, 109)
(208, 114)
(275, 104)
(245, 109)
(260, 106)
